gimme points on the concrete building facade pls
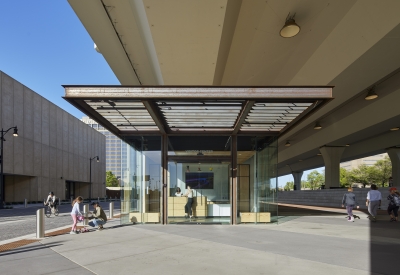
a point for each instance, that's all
(53, 149)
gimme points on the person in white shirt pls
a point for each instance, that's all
(75, 213)
(178, 192)
(188, 206)
(373, 202)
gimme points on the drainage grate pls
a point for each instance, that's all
(61, 232)
(13, 245)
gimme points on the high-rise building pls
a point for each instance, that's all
(116, 150)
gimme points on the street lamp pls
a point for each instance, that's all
(90, 175)
(3, 133)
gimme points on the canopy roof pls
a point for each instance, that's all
(209, 110)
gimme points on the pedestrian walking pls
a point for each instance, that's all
(394, 203)
(349, 200)
(374, 198)
(75, 213)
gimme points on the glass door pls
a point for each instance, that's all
(199, 180)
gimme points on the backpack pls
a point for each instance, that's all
(396, 200)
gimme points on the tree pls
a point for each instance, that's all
(111, 179)
(305, 185)
(381, 171)
(362, 175)
(289, 186)
(345, 180)
(315, 179)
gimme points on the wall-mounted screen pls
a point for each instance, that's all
(200, 180)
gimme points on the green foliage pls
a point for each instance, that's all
(345, 180)
(305, 184)
(381, 171)
(289, 186)
(111, 179)
(378, 174)
(315, 179)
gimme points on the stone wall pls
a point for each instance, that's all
(328, 197)
(52, 146)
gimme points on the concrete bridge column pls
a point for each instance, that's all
(297, 180)
(332, 156)
(394, 154)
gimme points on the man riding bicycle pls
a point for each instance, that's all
(51, 201)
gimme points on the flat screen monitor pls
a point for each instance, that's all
(200, 180)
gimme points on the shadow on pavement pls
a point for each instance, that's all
(384, 244)
(30, 248)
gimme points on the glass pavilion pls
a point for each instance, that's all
(221, 141)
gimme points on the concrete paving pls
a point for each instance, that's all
(20, 221)
(322, 244)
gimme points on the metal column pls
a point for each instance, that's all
(164, 167)
(233, 190)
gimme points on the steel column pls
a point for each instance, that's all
(233, 190)
(164, 167)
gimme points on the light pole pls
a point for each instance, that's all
(90, 175)
(3, 133)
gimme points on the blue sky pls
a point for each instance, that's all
(44, 45)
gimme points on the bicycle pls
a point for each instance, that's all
(51, 210)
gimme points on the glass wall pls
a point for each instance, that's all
(203, 164)
(256, 179)
(141, 181)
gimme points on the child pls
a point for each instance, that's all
(394, 200)
(349, 199)
(74, 213)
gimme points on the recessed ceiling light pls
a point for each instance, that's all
(394, 129)
(347, 145)
(319, 154)
(287, 144)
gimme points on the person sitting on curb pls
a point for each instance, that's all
(98, 217)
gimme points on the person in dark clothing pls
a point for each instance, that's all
(349, 200)
(394, 203)
(188, 206)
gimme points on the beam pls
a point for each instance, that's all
(156, 116)
(242, 116)
(86, 109)
(283, 93)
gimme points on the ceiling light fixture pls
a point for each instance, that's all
(347, 145)
(317, 126)
(290, 28)
(319, 154)
(287, 143)
(371, 94)
(394, 129)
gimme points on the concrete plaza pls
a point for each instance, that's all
(320, 243)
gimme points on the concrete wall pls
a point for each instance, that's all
(328, 197)
(52, 146)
